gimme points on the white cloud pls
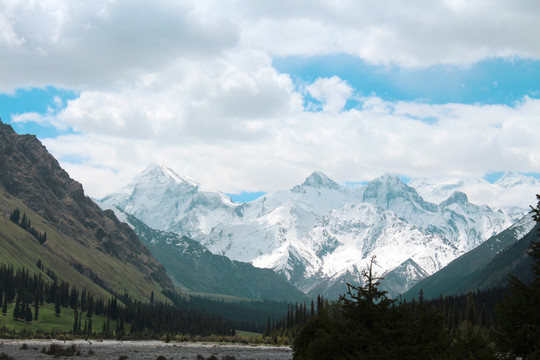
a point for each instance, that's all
(102, 44)
(418, 33)
(333, 93)
(354, 145)
(191, 84)
(219, 101)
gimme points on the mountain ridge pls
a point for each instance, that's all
(279, 230)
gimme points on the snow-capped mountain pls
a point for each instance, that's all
(166, 201)
(319, 231)
(512, 193)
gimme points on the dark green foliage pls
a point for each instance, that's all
(26, 225)
(518, 315)
(15, 216)
(36, 308)
(57, 308)
(366, 324)
(187, 316)
(28, 315)
(4, 307)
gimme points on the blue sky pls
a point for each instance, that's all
(494, 81)
(248, 97)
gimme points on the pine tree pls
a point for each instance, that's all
(4, 306)
(24, 223)
(28, 315)
(75, 320)
(57, 309)
(470, 313)
(17, 309)
(36, 309)
(15, 216)
(518, 316)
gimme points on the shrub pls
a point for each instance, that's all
(4, 356)
(59, 350)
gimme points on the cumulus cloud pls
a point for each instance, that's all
(333, 93)
(100, 43)
(191, 84)
(419, 33)
(353, 145)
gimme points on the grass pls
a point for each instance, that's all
(20, 249)
(248, 334)
(48, 322)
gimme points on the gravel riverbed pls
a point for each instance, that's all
(118, 350)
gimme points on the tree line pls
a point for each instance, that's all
(25, 223)
(25, 293)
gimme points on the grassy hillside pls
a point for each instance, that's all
(61, 252)
(80, 237)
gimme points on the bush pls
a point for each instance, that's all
(4, 356)
(59, 350)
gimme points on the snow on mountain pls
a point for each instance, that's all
(269, 230)
(352, 235)
(166, 201)
(512, 193)
(317, 233)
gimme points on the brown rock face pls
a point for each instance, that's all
(30, 173)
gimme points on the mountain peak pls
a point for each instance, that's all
(389, 182)
(388, 188)
(319, 180)
(161, 174)
(457, 197)
(510, 179)
(389, 178)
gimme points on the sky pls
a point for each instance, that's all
(253, 96)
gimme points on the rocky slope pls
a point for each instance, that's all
(79, 234)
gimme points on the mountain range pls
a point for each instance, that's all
(319, 234)
(474, 270)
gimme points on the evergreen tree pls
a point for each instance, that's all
(28, 315)
(366, 324)
(17, 309)
(36, 309)
(4, 306)
(57, 309)
(518, 316)
(24, 223)
(470, 315)
(15, 216)
(75, 320)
